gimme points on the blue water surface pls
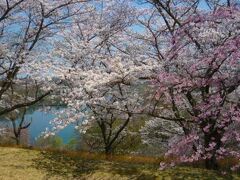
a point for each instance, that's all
(41, 121)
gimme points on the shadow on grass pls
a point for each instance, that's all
(138, 172)
(134, 171)
(196, 173)
(56, 164)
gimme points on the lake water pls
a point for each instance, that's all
(41, 121)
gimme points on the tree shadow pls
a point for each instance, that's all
(56, 164)
(133, 171)
(74, 167)
(195, 173)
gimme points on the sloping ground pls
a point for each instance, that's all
(22, 164)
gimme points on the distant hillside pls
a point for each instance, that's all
(17, 164)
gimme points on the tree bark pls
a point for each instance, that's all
(18, 140)
(211, 163)
(108, 150)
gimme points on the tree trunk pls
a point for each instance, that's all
(211, 163)
(108, 150)
(18, 140)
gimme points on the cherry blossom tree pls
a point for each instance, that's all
(26, 26)
(156, 134)
(198, 86)
(101, 72)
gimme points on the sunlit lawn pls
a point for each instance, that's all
(18, 164)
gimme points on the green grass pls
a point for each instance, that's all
(18, 164)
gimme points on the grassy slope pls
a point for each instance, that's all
(24, 164)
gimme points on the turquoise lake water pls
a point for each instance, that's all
(41, 121)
